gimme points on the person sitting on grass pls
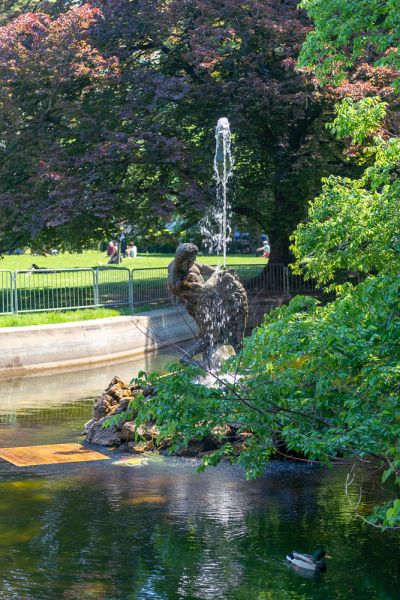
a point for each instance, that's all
(131, 251)
(113, 259)
(110, 249)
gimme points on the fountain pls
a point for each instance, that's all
(215, 227)
(219, 305)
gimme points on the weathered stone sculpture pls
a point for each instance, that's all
(219, 306)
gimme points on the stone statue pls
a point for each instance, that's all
(219, 306)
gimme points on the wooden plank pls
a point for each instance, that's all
(49, 454)
(29, 455)
(12, 458)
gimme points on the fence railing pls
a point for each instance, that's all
(48, 289)
(113, 286)
(149, 285)
(6, 298)
(297, 283)
(58, 289)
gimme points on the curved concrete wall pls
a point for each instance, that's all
(24, 349)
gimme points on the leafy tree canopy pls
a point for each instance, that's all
(322, 381)
(108, 114)
(347, 31)
(355, 224)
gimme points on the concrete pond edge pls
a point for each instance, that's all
(66, 345)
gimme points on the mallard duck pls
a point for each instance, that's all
(308, 561)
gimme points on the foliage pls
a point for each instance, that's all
(355, 224)
(320, 381)
(348, 31)
(108, 111)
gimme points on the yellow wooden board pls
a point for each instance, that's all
(47, 455)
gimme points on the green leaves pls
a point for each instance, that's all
(347, 31)
(354, 224)
(321, 381)
(358, 119)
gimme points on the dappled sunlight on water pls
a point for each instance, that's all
(150, 528)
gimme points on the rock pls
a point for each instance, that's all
(194, 447)
(239, 447)
(124, 402)
(135, 388)
(117, 384)
(220, 435)
(130, 429)
(245, 435)
(115, 401)
(102, 406)
(119, 391)
(87, 426)
(165, 444)
(140, 447)
(115, 410)
(152, 428)
(148, 391)
(109, 436)
(222, 354)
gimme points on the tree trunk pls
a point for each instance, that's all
(280, 253)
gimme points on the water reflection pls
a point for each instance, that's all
(41, 390)
(153, 529)
(105, 531)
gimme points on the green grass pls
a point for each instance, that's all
(65, 289)
(90, 258)
(67, 316)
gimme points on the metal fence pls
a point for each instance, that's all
(6, 298)
(149, 285)
(262, 279)
(58, 289)
(297, 283)
(48, 289)
(113, 286)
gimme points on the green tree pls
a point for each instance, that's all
(322, 381)
(124, 131)
(347, 32)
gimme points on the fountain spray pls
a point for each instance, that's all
(215, 225)
(223, 168)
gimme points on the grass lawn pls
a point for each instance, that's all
(90, 258)
(64, 290)
(67, 316)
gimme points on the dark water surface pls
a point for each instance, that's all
(152, 529)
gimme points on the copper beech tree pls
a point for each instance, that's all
(108, 113)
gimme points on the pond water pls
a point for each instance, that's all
(153, 529)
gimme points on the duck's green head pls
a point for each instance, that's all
(319, 554)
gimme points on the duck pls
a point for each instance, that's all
(311, 562)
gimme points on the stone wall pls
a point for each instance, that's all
(65, 345)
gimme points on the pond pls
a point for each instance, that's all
(153, 529)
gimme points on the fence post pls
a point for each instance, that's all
(285, 280)
(131, 289)
(15, 292)
(11, 293)
(95, 290)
